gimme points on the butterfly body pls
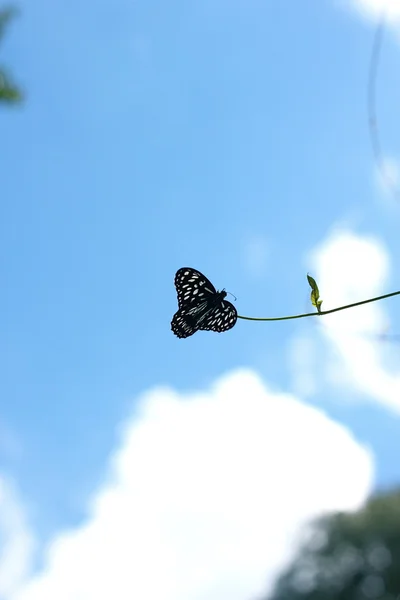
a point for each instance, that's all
(201, 306)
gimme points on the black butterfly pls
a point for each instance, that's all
(200, 305)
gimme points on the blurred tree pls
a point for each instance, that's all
(8, 92)
(348, 556)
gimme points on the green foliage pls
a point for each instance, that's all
(315, 301)
(350, 556)
(9, 93)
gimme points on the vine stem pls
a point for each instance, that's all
(322, 312)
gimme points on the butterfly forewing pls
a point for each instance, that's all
(192, 287)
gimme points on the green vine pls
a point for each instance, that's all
(317, 303)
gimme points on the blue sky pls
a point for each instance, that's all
(227, 136)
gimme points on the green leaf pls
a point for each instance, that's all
(8, 91)
(315, 301)
(10, 95)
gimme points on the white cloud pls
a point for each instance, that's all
(373, 9)
(256, 254)
(350, 268)
(16, 542)
(205, 497)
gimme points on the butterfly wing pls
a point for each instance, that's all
(200, 305)
(183, 325)
(221, 318)
(192, 287)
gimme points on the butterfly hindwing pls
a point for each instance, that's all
(182, 326)
(221, 318)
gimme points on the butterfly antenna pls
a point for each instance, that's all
(232, 295)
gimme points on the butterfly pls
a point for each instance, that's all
(201, 306)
